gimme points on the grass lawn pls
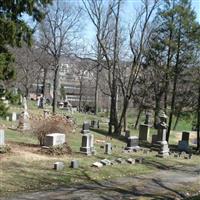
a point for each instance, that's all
(25, 169)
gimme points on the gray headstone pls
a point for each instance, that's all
(162, 133)
(163, 149)
(119, 160)
(127, 133)
(74, 164)
(105, 162)
(58, 166)
(143, 132)
(139, 160)
(154, 139)
(85, 127)
(132, 143)
(54, 139)
(87, 145)
(185, 136)
(108, 148)
(2, 137)
(95, 123)
(183, 145)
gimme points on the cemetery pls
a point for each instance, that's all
(99, 99)
(86, 161)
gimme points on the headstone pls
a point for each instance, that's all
(185, 136)
(7, 118)
(147, 118)
(183, 146)
(2, 137)
(97, 164)
(95, 123)
(139, 160)
(143, 132)
(85, 127)
(87, 146)
(132, 143)
(46, 113)
(161, 144)
(58, 166)
(14, 116)
(119, 160)
(24, 123)
(105, 162)
(74, 164)
(154, 139)
(54, 139)
(131, 161)
(108, 148)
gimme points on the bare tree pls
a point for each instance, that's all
(57, 34)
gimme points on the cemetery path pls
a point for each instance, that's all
(163, 184)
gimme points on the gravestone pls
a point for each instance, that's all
(87, 145)
(85, 127)
(97, 164)
(14, 116)
(127, 133)
(74, 164)
(108, 148)
(143, 132)
(2, 137)
(58, 166)
(185, 136)
(147, 118)
(106, 162)
(161, 144)
(183, 145)
(7, 118)
(132, 143)
(54, 139)
(154, 139)
(95, 123)
(46, 114)
(131, 160)
(24, 123)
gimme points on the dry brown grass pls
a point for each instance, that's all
(53, 124)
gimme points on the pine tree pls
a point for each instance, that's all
(14, 31)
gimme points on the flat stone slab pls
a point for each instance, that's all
(97, 164)
(130, 161)
(120, 160)
(105, 162)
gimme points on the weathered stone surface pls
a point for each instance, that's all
(58, 166)
(97, 164)
(2, 137)
(139, 160)
(154, 139)
(185, 136)
(131, 160)
(183, 145)
(74, 164)
(85, 127)
(143, 132)
(105, 162)
(95, 123)
(87, 146)
(132, 143)
(108, 148)
(54, 139)
(120, 160)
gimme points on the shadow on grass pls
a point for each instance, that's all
(25, 144)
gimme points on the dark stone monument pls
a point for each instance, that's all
(85, 127)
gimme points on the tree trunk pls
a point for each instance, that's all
(44, 83)
(177, 119)
(157, 110)
(138, 116)
(96, 91)
(125, 122)
(198, 121)
(80, 97)
(55, 85)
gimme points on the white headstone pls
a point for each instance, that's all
(14, 116)
(54, 139)
(2, 137)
